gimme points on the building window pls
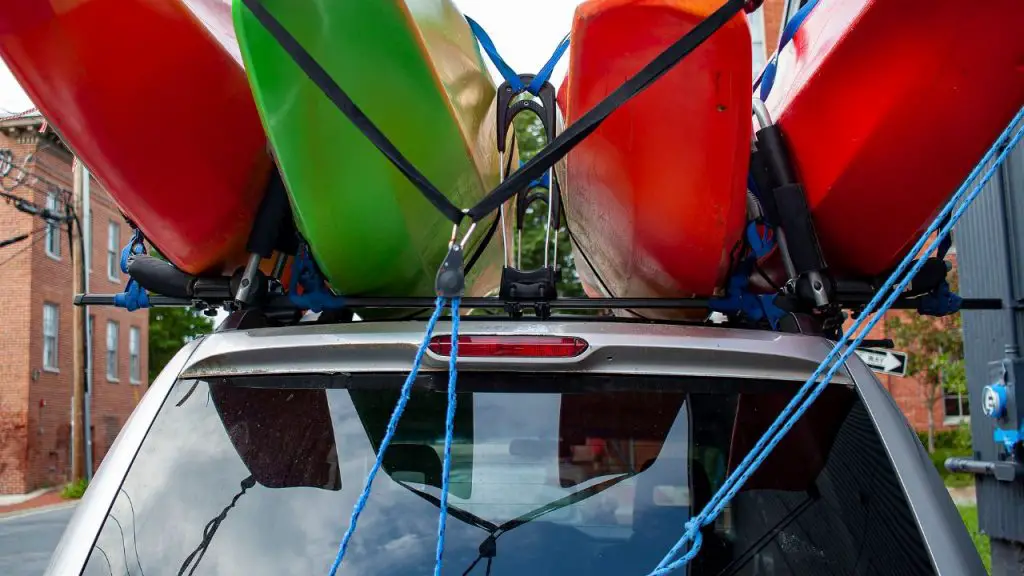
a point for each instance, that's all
(134, 354)
(760, 54)
(51, 326)
(52, 228)
(956, 406)
(112, 328)
(113, 257)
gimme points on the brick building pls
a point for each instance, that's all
(36, 315)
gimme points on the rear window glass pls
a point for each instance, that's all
(554, 474)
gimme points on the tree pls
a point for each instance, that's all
(530, 138)
(936, 356)
(169, 330)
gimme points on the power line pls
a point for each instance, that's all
(35, 240)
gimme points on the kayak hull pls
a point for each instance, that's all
(655, 196)
(415, 71)
(151, 98)
(886, 107)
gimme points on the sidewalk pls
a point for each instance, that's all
(40, 499)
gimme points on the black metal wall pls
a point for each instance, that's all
(990, 251)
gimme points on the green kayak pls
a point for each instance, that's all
(414, 69)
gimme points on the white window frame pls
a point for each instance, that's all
(51, 337)
(113, 336)
(52, 239)
(113, 251)
(134, 355)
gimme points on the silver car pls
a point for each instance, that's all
(581, 446)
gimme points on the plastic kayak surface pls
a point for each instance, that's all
(414, 69)
(887, 106)
(153, 98)
(655, 197)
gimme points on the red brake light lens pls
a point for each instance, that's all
(511, 346)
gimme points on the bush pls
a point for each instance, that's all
(74, 490)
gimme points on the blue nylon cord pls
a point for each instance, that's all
(783, 423)
(448, 435)
(403, 399)
(767, 77)
(507, 72)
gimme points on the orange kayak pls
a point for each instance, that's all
(152, 96)
(886, 107)
(656, 196)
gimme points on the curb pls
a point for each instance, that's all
(39, 510)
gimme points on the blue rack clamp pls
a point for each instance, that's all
(134, 295)
(999, 402)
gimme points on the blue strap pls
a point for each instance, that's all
(767, 77)
(811, 388)
(449, 432)
(403, 399)
(134, 296)
(507, 72)
(738, 299)
(939, 302)
(542, 182)
(487, 44)
(315, 296)
(545, 72)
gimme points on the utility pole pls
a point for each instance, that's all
(79, 324)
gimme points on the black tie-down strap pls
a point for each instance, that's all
(547, 157)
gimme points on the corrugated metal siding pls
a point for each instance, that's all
(990, 257)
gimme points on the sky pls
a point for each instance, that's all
(525, 33)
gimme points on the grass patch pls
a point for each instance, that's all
(981, 541)
(959, 480)
(74, 490)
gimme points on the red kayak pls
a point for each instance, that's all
(655, 197)
(152, 96)
(887, 106)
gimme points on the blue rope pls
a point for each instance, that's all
(767, 77)
(784, 422)
(507, 72)
(403, 399)
(448, 435)
(315, 295)
(134, 295)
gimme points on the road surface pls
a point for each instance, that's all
(28, 540)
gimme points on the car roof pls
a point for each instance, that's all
(614, 347)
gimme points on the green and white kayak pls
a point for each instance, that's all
(413, 67)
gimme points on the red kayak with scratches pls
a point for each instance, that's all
(153, 97)
(656, 196)
(886, 106)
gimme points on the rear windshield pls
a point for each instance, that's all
(551, 475)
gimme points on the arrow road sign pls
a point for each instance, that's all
(884, 361)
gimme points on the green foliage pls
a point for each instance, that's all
(981, 541)
(936, 352)
(530, 138)
(75, 490)
(169, 330)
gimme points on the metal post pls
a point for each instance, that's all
(78, 326)
(85, 236)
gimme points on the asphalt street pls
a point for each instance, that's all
(27, 540)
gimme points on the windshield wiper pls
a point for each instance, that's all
(489, 547)
(211, 529)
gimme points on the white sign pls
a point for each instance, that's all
(884, 361)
